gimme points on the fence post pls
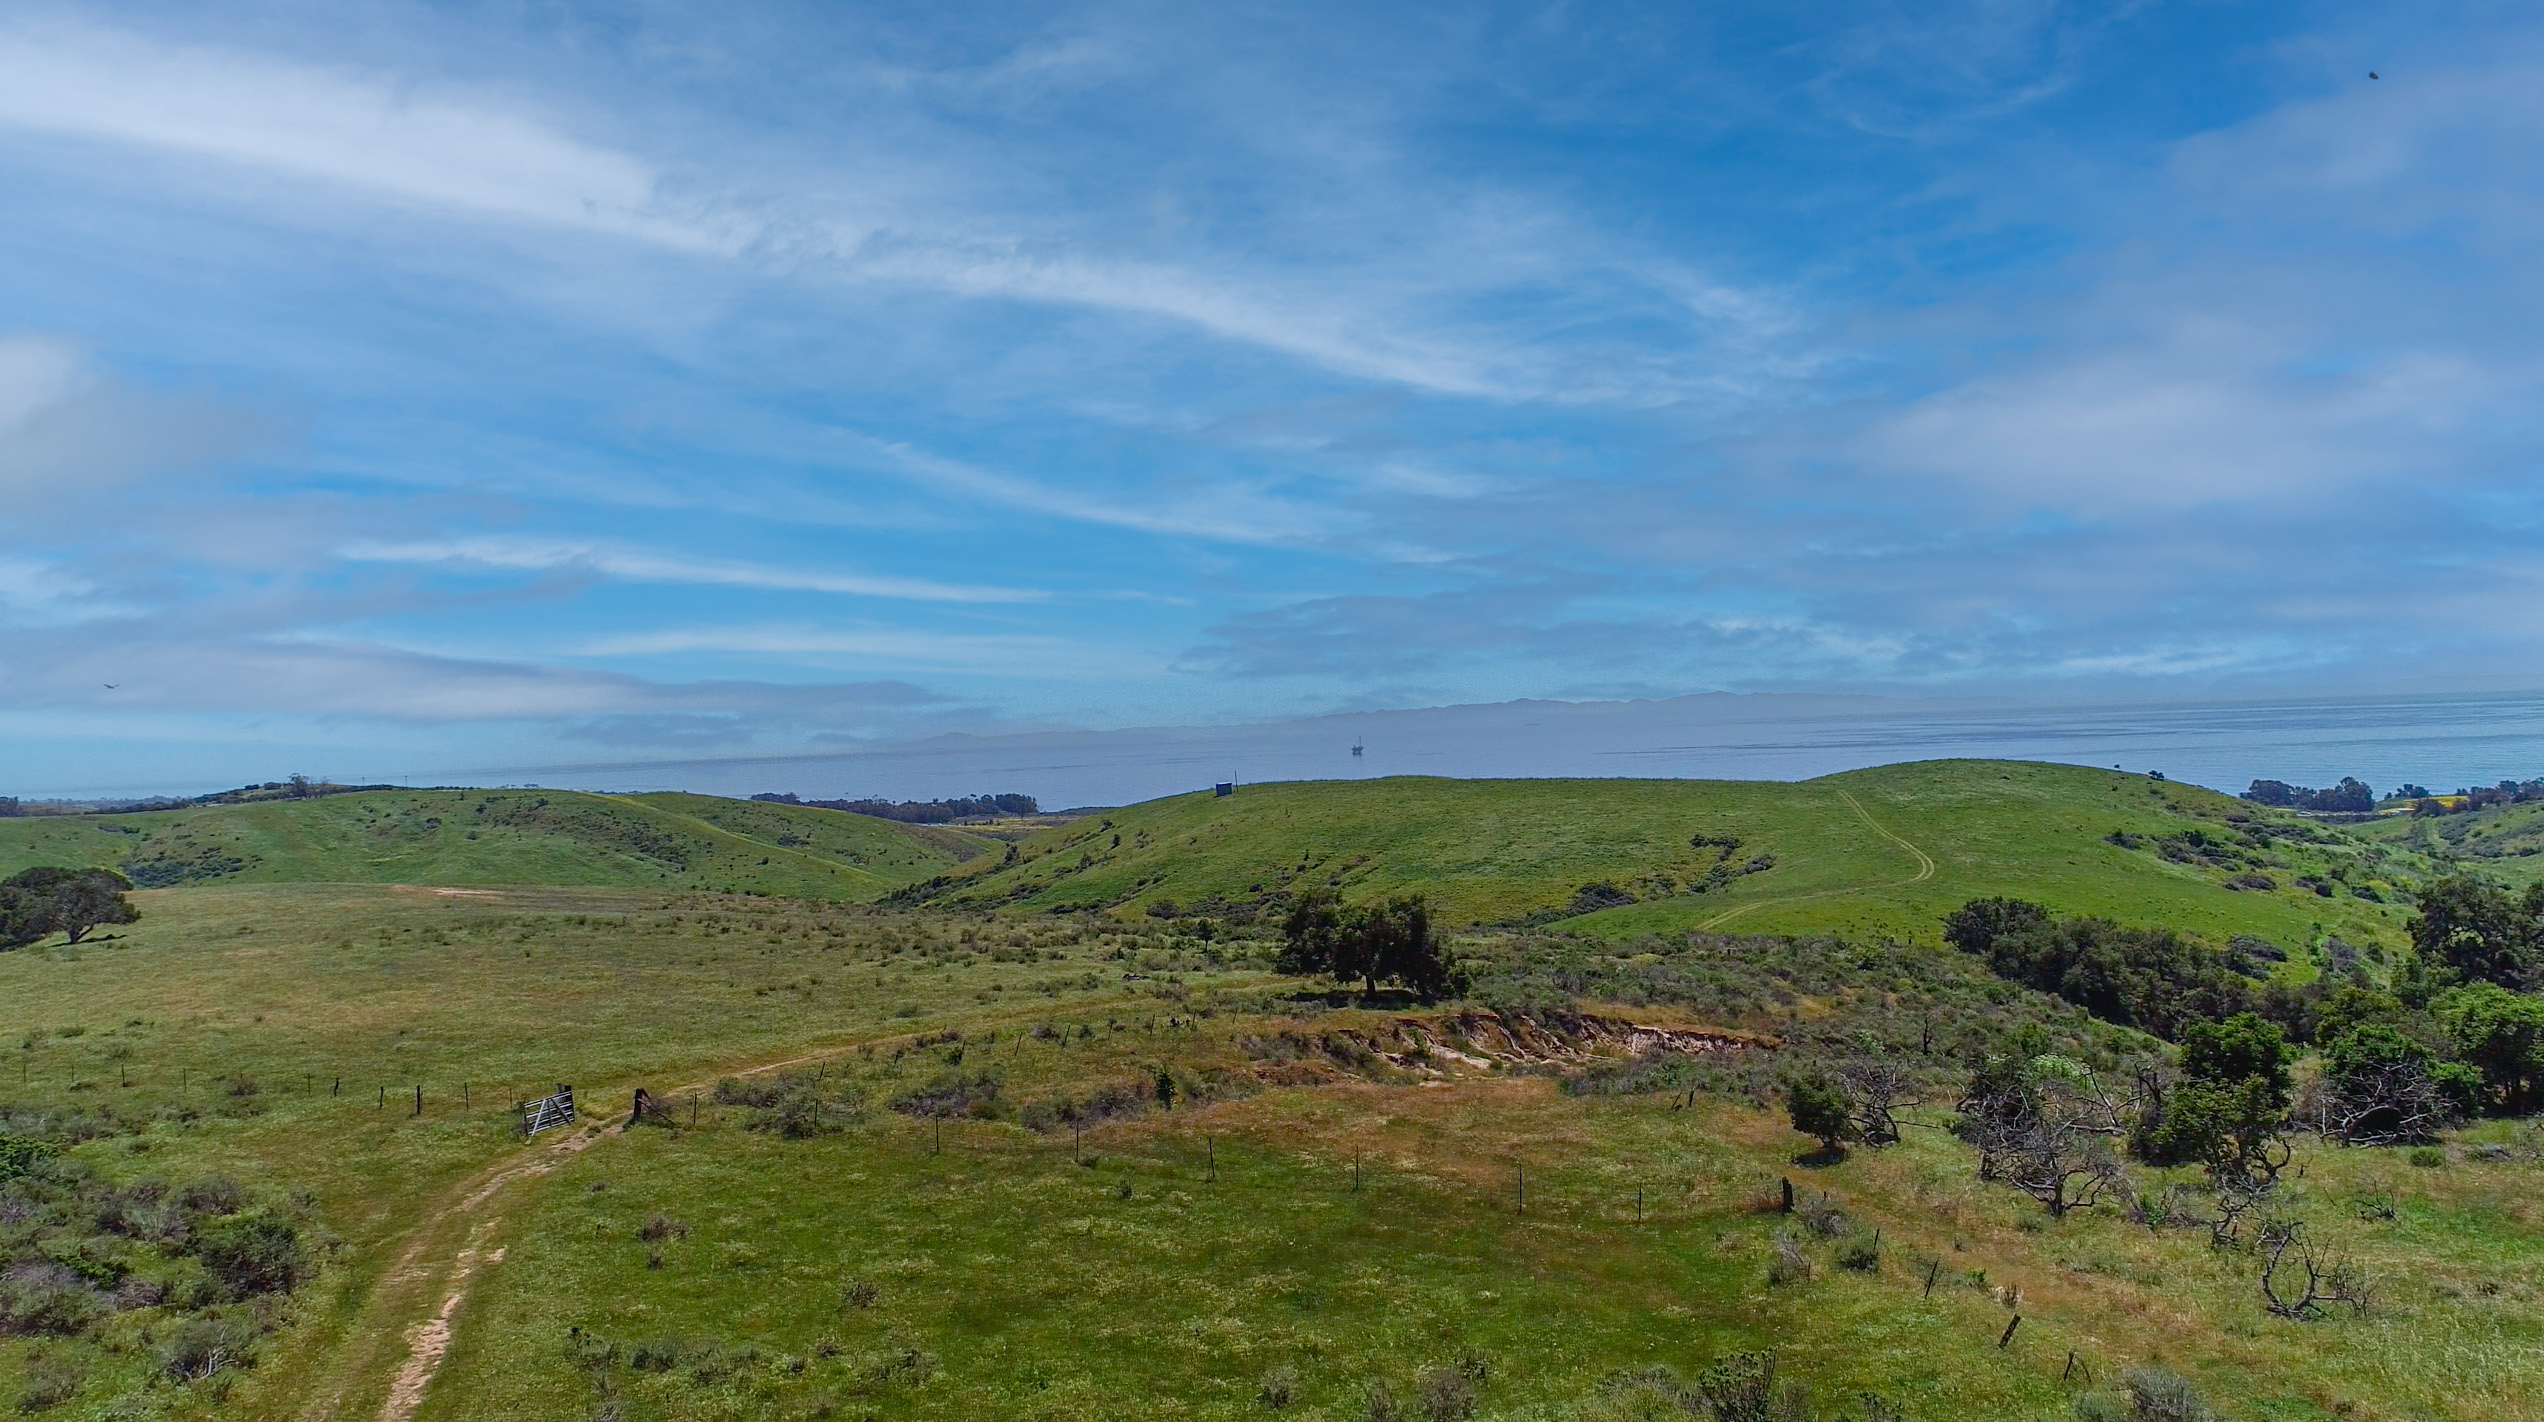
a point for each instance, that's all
(1523, 1189)
(419, 1098)
(2008, 1335)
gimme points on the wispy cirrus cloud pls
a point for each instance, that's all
(1023, 655)
(1460, 307)
(341, 126)
(518, 554)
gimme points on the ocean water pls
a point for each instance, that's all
(2439, 741)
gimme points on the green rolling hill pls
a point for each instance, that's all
(490, 838)
(1871, 853)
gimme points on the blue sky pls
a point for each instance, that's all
(390, 389)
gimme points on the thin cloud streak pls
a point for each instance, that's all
(637, 565)
(1021, 655)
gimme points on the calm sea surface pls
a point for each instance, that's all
(2439, 741)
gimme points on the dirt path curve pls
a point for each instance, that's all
(430, 1282)
(1925, 871)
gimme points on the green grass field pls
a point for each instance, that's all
(1166, 1264)
(1868, 853)
(492, 838)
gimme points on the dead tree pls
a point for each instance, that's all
(2049, 1132)
(2396, 1102)
(1876, 1091)
(2296, 1282)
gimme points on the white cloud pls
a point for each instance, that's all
(1227, 511)
(357, 130)
(2202, 417)
(45, 594)
(1020, 655)
(67, 431)
(1400, 308)
(640, 565)
(1242, 307)
(37, 373)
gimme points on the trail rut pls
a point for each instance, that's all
(1925, 871)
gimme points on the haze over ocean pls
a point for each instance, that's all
(2440, 741)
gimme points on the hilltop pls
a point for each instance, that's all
(1868, 853)
(492, 838)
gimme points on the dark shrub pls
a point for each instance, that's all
(199, 1347)
(50, 1382)
(41, 1296)
(1447, 1395)
(254, 1254)
(951, 1094)
(216, 1195)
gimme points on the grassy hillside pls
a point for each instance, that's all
(500, 837)
(2503, 841)
(1867, 853)
(1310, 1220)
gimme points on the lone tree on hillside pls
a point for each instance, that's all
(1382, 942)
(73, 902)
(1819, 1109)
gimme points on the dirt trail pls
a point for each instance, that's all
(446, 1252)
(1925, 871)
(443, 1253)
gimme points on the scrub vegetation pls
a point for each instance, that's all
(2088, 1134)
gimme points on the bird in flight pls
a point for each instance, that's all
(107, 684)
(2371, 74)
